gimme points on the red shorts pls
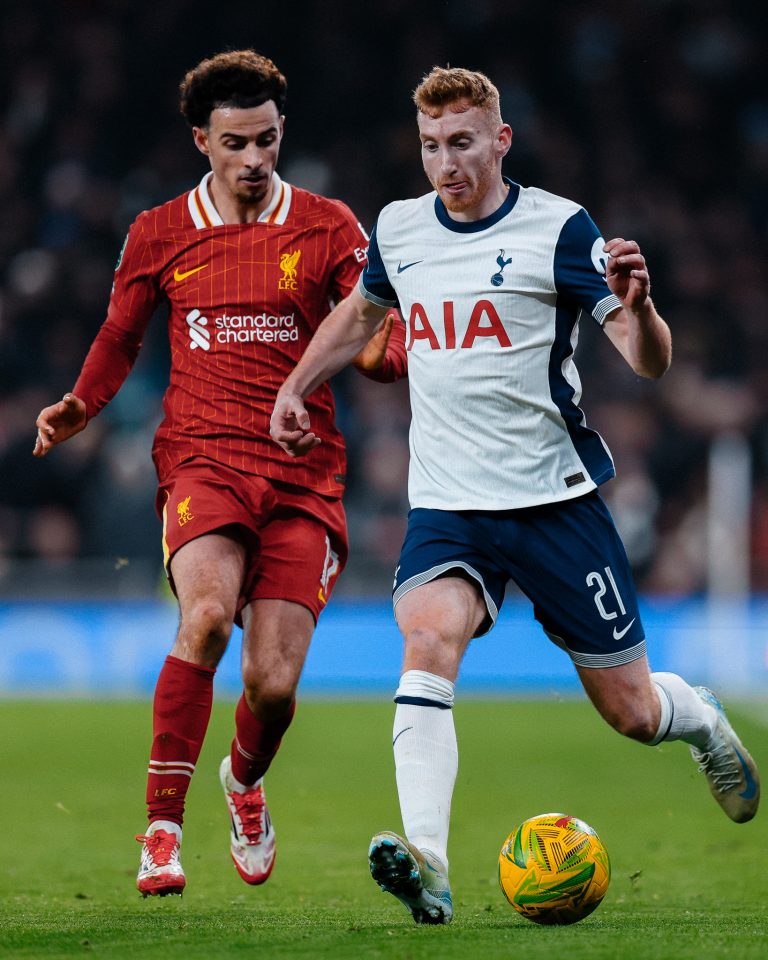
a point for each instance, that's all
(296, 539)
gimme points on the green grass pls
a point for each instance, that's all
(686, 881)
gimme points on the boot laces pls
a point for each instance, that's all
(162, 847)
(250, 810)
(722, 768)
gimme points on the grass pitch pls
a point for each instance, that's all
(686, 881)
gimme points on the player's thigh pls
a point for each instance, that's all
(437, 620)
(276, 638)
(211, 518)
(300, 558)
(207, 573)
(569, 560)
(452, 545)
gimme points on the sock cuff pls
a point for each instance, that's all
(667, 712)
(425, 689)
(177, 662)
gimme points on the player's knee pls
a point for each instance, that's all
(633, 722)
(206, 625)
(271, 696)
(429, 648)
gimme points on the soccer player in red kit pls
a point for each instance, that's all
(247, 265)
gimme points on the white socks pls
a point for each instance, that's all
(684, 716)
(426, 758)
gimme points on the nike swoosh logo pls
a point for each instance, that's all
(400, 734)
(751, 790)
(407, 266)
(618, 634)
(178, 276)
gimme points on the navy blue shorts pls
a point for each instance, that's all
(566, 557)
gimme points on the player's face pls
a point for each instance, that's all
(462, 150)
(242, 146)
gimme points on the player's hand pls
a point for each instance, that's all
(289, 426)
(626, 273)
(372, 355)
(59, 422)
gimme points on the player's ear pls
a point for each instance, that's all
(503, 139)
(200, 136)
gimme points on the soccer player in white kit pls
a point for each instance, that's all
(491, 279)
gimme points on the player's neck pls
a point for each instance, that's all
(490, 203)
(230, 209)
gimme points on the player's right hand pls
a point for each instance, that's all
(289, 426)
(59, 422)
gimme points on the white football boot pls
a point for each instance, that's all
(731, 772)
(160, 872)
(416, 877)
(252, 835)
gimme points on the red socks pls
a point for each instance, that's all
(182, 709)
(256, 742)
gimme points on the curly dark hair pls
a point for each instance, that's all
(236, 78)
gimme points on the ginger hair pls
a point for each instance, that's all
(449, 86)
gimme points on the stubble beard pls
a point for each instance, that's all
(251, 198)
(483, 182)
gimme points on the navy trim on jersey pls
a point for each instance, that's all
(374, 282)
(473, 226)
(588, 444)
(576, 273)
(580, 286)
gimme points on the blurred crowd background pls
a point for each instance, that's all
(653, 115)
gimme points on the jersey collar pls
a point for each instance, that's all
(473, 226)
(204, 213)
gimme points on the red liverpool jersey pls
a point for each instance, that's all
(244, 301)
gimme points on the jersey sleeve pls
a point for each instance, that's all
(135, 295)
(579, 267)
(374, 283)
(350, 246)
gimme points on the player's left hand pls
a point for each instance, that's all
(289, 426)
(372, 355)
(626, 273)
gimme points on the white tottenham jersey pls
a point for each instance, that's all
(492, 309)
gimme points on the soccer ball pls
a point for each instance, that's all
(553, 869)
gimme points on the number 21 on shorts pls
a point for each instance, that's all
(596, 579)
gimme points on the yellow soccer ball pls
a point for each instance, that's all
(554, 869)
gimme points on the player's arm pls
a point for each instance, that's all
(113, 352)
(339, 338)
(637, 331)
(59, 422)
(109, 361)
(383, 358)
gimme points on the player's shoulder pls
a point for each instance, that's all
(173, 214)
(542, 201)
(315, 205)
(404, 215)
